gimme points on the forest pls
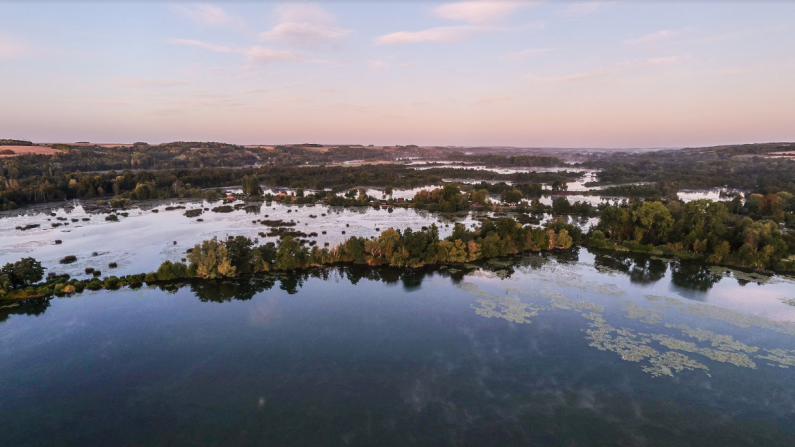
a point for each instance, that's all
(742, 167)
(53, 185)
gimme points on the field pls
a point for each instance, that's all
(18, 150)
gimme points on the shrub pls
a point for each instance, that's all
(120, 203)
(111, 282)
(94, 284)
(597, 239)
(68, 259)
(171, 270)
(112, 265)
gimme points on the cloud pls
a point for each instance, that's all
(206, 14)
(256, 54)
(519, 55)
(303, 12)
(304, 34)
(580, 9)
(440, 34)
(585, 76)
(149, 82)
(376, 64)
(304, 25)
(663, 60)
(655, 38)
(290, 100)
(478, 12)
(491, 100)
(610, 71)
(281, 87)
(204, 45)
(267, 55)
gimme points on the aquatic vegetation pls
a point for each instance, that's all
(277, 223)
(783, 357)
(788, 301)
(659, 300)
(634, 348)
(645, 315)
(739, 319)
(507, 307)
(735, 358)
(571, 279)
(723, 342)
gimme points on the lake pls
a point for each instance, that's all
(565, 348)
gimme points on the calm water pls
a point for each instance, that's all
(560, 349)
(143, 239)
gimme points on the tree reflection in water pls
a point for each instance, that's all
(31, 307)
(641, 268)
(693, 276)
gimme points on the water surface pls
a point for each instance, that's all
(574, 348)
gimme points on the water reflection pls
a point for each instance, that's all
(689, 279)
(641, 269)
(693, 278)
(30, 307)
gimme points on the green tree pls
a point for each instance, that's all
(289, 256)
(25, 272)
(212, 260)
(563, 239)
(511, 196)
(169, 271)
(654, 222)
(561, 205)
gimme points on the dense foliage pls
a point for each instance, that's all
(743, 167)
(748, 236)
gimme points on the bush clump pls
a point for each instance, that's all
(68, 259)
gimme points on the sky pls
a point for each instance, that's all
(591, 74)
